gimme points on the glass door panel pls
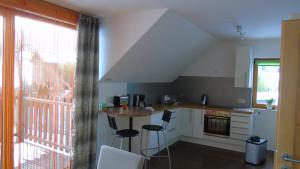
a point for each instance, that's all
(1, 98)
(44, 92)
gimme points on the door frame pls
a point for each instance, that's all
(8, 87)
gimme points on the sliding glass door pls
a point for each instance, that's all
(44, 93)
(1, 98)
(37, 69)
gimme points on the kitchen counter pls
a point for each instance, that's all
(129, 112)
(160, 108)
(187, 124)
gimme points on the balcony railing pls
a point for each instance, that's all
(48, 124)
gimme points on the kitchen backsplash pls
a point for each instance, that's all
(153, 91)
(220, 91)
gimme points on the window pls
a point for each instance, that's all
(266, 82)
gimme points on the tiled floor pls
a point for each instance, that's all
(193, 156)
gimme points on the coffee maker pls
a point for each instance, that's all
(138, 100)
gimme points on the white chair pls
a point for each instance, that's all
(113, 158)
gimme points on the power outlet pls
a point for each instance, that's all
(241, 101)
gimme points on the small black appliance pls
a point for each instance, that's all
(138, 100)
(120, 100)
(204, 100)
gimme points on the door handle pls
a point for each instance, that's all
(289, 158)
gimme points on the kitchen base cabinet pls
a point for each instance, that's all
(240, 128)
(152, 135)
(150, 139)
(198, 122)
(173, 129)
(187, 122)
(192, 122)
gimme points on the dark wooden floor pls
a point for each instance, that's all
(194, 156)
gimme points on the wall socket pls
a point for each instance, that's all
(241, 101)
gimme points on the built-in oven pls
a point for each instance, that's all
(217, 123)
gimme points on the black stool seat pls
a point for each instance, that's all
(152, 127)
(127, 133)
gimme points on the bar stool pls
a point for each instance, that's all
(124, 133)
(157, 128)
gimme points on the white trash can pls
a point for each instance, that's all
(256, 151)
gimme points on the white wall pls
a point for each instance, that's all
(108, 90)
(264, 125)
(106, 93)
(219, 61)
(267, 48)
(265, 121)
(119, 33)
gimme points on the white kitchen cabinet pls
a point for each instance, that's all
(171, 133)
(243, 67)
(152, 135)
(240, 128)
(187, 122)
(173, 129)
(192, 122)
(198, 121)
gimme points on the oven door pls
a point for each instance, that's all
(217, 125)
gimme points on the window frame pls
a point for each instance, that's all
(43, 10)
(255, 77)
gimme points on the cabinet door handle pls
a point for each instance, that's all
(201, 114)
(190, 116)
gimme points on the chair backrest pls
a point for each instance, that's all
(113, 158)
(112, 122)
(166, 116)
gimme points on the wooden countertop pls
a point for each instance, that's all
(159, 108)
(138, 112)
(129, 112)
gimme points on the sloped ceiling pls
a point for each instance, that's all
(119, 33)
(163, 52)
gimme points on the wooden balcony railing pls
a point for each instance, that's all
(48, 124)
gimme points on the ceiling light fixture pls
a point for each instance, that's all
(240, 32)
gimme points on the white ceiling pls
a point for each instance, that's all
(260, 18)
